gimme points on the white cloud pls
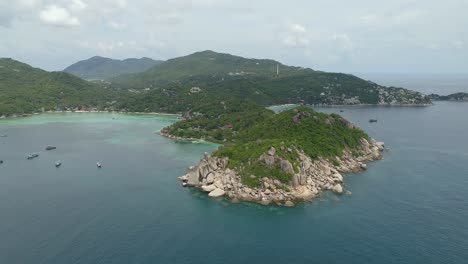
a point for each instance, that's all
(458, 44)
(58, 16)
(29, 3)
(105, 47)
(120, 3)
(433, 46)
(117, 26)
(78, 5)
(297, 28)
(296, 36)
(295, 41)
(344, 41)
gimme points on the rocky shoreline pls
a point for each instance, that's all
(315, 176)
(167, 135)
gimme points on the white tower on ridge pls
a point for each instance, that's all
(277, 69)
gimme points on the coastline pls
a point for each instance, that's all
(91, 111)
(181, 114)
(166, 135)
(315, 176)
(376, 105)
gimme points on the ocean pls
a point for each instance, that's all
(410, 207)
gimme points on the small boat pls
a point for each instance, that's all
(341, 111)
(1, 161)
(50, 147)
(372, 120)
(99, 165)
(3, 135)
(32, 156)
(58, 163)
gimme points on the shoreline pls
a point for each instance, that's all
(376, 105)
(176, 138)
(91, 111)
(181, 114)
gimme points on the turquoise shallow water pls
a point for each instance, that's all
(410, 207)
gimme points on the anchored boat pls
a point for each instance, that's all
(32, 156)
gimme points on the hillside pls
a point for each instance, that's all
(24, 89)
(459, 97)
(209, 64)
(218, 74)
(193, 82)
(100, 68)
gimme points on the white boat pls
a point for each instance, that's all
(58, 163)
(32, 156)
(99, 165)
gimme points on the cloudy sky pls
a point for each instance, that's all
(397, 36)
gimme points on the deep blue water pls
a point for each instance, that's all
(410, 207)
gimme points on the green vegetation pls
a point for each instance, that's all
(24, 89)
(219, 75)
(99, 68)
(196, 84)
(223, 99)
(316, 134)
(208, 64)
(219, 122)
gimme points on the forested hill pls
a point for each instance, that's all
(194, 83)
(459, 97)
(265, 81)
(100, 68)
(24, 89)
(205, 63)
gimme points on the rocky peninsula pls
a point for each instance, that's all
(212, 175)
(306, 154)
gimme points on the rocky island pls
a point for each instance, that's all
(285, 158)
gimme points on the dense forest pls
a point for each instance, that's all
(264, 81)
(24, 90)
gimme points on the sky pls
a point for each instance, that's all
(397, 36)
